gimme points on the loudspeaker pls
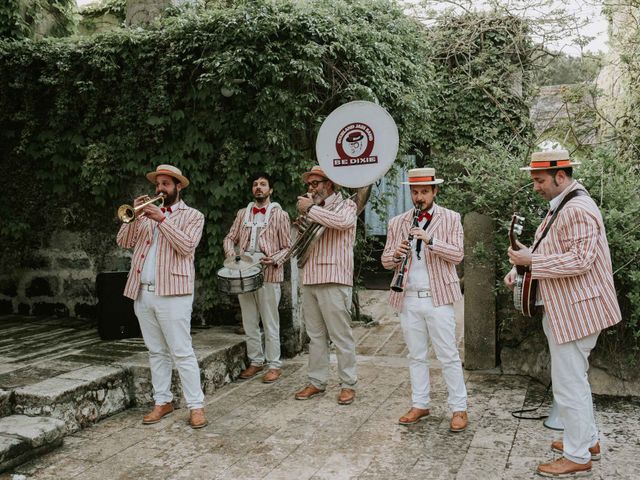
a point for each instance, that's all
(116, 318)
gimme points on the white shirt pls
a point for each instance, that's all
(419, 273)
(148, 275)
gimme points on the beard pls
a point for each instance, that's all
(171, 197)
(261, 197)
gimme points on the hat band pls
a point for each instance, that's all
(421, 179)
(551, 163)
(167, 171)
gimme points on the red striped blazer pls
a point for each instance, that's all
(274, 241)
(331, 257)
(177, 241)
(441, 257)
(573, 267)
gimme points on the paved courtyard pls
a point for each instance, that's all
(260, 431)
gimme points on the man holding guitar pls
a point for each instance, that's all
(571, 263)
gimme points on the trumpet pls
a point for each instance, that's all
(127, 213)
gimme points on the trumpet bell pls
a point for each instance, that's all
(126, 213)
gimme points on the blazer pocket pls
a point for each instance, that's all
(180, 268)
(584, 293)
(326, 261)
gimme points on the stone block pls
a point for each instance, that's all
(37, 261)
(47, 309)
(79, 288)
(8, 286)
(23, 437)
(116, 263)
(36, 430)
(74, 263)
(78, 398)
(66, 241)
(5, 403)
(42, 287)
(480, 327)
(6, 307)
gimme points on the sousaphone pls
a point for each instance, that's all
(356, 145)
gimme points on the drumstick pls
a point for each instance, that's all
(250, 266)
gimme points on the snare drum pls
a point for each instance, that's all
(240, 281)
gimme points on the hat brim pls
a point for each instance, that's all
(536, 169)
(437, 181)
(184, 181)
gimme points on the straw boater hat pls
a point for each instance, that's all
(551, 159)
(423, 176)
(168, 170)
(316, 170)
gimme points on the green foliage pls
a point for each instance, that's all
(117, 8)
(35, 18)
(557, 68)
(220, 94)
(482, 62)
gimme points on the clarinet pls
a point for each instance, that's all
(397, 286)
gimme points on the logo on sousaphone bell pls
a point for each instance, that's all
(354, 145)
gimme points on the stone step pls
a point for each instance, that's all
(108, 384)
(84, 396)
(23, 437)
(78, 398)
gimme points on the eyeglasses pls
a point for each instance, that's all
(315, 183)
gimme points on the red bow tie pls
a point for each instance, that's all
(257, 210)
(167, 209)
(424, 215)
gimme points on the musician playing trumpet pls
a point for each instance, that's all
(161, 283)
(261, 230)
(424, 245)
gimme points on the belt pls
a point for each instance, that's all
(417, 293)
(148, 287)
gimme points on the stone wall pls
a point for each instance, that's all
(60, 280)
(524, 351)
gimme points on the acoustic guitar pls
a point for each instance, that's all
(524, 289)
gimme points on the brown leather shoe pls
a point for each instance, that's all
(459, 421)
(346, 397)
(563, 468)
(414, 416)
(158, 412)
(272, 375)
(197, 418)
(307, 392)
(250, 372)
(558, 447)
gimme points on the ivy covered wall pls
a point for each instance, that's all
(234, 88)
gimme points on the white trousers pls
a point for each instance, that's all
(572, 393)
(327, 315)
(262, 304)
(165, 322)
(421, 321)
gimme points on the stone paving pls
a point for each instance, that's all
(260, 431)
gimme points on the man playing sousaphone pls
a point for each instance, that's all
(261, 230)
(327, 279)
